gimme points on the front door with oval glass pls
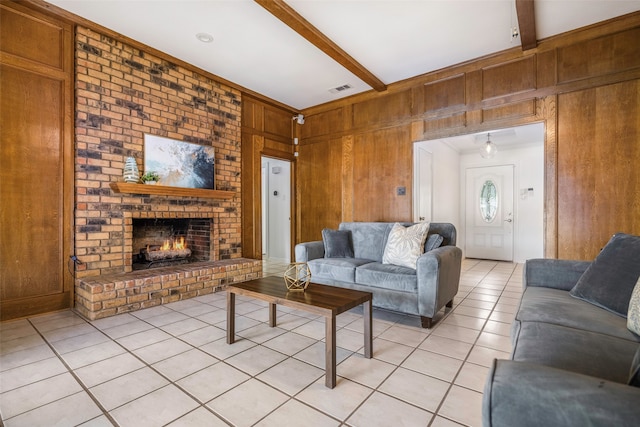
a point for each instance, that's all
(489, 213)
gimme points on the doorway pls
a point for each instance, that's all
(489, 213)
(445, 175)
(423, 176)
(276, 210)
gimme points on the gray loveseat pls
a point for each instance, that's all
(422, 291)
(572, 361)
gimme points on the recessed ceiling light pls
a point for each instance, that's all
(204, 37)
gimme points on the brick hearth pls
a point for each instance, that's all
(110, 294)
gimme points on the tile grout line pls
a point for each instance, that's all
(171, 382)
(146, 364)
(75, 376)
(373, 390)
(204, 405)
(130, 352)
(452, 383)
(133, 354)
(174, 383)
(434, 414)
(294, 397)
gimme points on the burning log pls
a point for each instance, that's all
(168, 254)
(168, 251)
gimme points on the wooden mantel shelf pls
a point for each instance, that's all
(163, 190)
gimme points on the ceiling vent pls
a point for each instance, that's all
(340, 88)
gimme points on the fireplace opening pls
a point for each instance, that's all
(161, 242)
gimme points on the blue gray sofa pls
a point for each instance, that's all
(574, 361)
(421, 291)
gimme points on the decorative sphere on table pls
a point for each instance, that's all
(297, 276)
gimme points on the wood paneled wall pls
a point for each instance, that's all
(267, 130)
(583, 85)
(322, 198)
(376, 181)
(36, 162)
(598, 167)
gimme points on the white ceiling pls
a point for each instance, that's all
(393, 39)
(504, 139)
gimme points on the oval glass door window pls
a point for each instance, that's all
(488, 201)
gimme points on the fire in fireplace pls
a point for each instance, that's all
(171, 249)
(162, 242)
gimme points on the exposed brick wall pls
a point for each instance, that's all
(198, 236)
(121, 94)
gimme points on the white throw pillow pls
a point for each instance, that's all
(633, 315)
(405, 244)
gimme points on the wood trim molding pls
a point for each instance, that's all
(26, 307)
(297, 23)
(548, 110)
(277, 154)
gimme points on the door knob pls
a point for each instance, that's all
(508, 220)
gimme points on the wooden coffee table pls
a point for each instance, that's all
(327, 301)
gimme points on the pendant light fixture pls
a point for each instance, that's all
(489, 149)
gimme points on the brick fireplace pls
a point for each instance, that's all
(123, 93)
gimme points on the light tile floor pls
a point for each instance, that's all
(170, 365)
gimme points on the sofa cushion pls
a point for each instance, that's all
(634, 373)
(433, 242)
(369, 238)
(405, 244)
(575, 350)
(446, 230)
(337, 243)
(633, 315)
(556, 306)
(388, 276)
(609, 280)
(338, 269)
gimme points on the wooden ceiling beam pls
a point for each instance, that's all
(526, 23)
(297, 23)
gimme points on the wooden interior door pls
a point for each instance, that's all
(36, 164)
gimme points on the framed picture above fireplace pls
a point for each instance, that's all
(179, 163)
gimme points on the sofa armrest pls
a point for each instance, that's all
(529, 395)
(553, 273)
(438, 277)
(310, 250)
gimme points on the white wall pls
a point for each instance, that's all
(276, 209)
(446, 183)
(529, 209)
